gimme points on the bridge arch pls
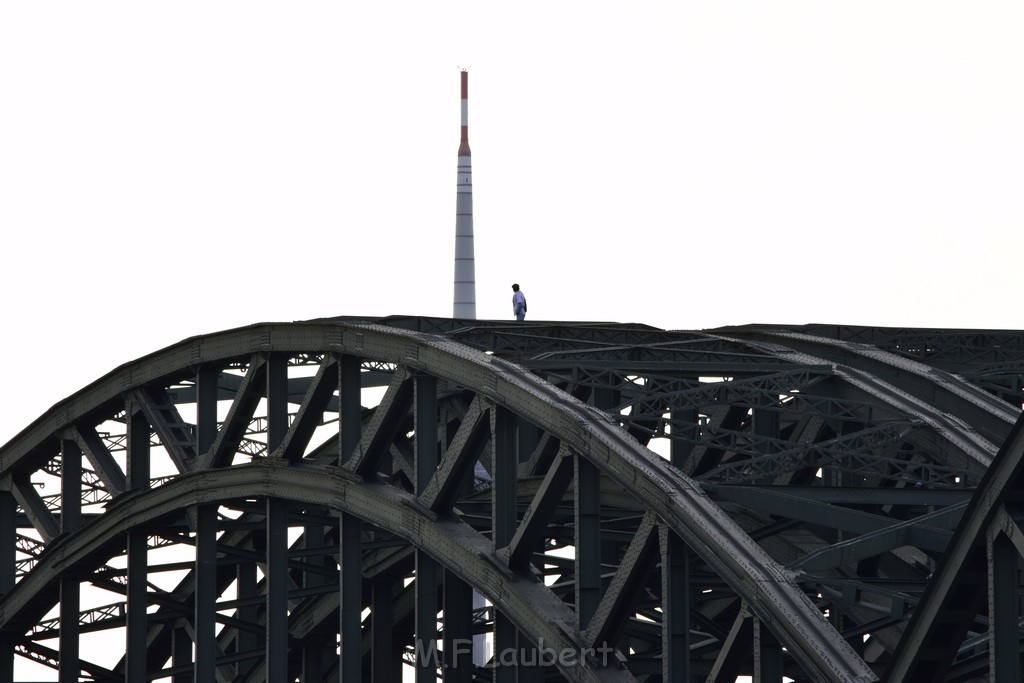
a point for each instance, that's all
(259, 398)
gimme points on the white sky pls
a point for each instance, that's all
(172, 169)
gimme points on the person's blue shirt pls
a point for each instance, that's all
(518, 303)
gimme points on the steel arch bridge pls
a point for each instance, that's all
(362, 499)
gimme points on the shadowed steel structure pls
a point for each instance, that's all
(319, 501)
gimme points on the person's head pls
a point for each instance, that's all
(515, 288)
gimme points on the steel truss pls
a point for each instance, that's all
(345, 499)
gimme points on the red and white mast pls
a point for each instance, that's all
(465, 270)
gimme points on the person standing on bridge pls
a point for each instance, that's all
(518, 303)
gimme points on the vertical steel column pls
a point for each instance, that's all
(529, 668)
(735, 650)
(588, 539)
(427, 569)
(181, 654)
(505, 649)
(675, 606)
(70, 593)
(425, 645)
(350, 408)
(350, 575)
(206, 594)
(70, 587)
(503, 514)
(683, 431)
(136, 630)
(767, 655)
(8, 573)
(277, 400)
(70, 486)
(527, 436)
(138, 429)
(277, 527)
(318, 646)
(206, 408)
(351, 588)
(276, 582)
(458, 630)
(382, 660)
(841, 476)
(766, 425)
(1003, 607)
(248, 588)
(426, 430)
(314, 645)
(205, 626)
(527, 439)
(607, 399)
(503, 498)
(479, 602)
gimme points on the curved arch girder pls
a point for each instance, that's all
(451, 542)
(770, 591)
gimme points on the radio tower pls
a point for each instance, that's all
(465, 275)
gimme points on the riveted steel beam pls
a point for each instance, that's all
(529, 534)
(106, 468)
(382, 428)
(612, 612)
(310, 412)
(441, 492)
(34, 507)
(231, 433)
(175, 435)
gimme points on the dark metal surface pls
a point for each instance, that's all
(322, 500)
